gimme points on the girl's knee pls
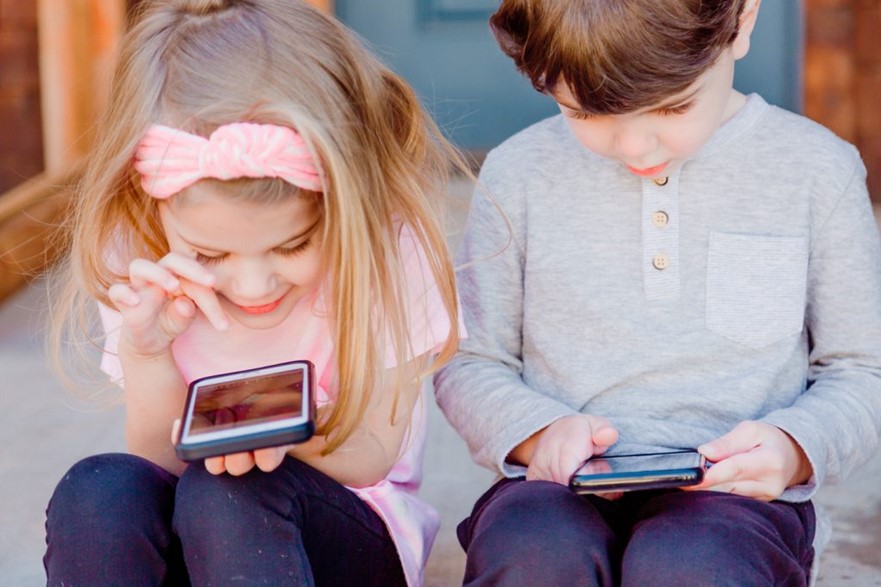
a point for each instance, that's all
(100, 491)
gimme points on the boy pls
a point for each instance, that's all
(685, 267)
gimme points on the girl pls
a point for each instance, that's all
(262, 192)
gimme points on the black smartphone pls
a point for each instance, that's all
(246, 410)
(631, 472)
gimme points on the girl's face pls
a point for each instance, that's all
(653, 142)
(265, 257)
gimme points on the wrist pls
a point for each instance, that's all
(129, 351)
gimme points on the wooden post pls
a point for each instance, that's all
(77, 43)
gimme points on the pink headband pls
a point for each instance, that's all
(170, 159)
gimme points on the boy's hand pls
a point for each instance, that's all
(160, 300)
(560, 448)
(755, 460)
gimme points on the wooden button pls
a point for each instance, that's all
(660, 261)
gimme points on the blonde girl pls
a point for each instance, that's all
(263, 191)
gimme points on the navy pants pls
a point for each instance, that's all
(118, 519)
(540, 533)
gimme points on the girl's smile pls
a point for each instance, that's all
(265, 257)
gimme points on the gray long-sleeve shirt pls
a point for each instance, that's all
(746, 288)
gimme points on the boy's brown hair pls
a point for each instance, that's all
(616, 56)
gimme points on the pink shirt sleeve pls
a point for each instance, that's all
(427, 317)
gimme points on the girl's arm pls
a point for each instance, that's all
(154, 397)
(367, 456)
(157, 305)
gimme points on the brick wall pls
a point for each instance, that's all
(843, 75)
(21, 145)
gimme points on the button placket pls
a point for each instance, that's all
(660, 237)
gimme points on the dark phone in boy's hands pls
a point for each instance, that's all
(631, 472)
(246, 410)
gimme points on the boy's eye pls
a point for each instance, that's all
(209, 260)
(580, 115)
(675, 110)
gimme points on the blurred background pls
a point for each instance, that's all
(821, 58)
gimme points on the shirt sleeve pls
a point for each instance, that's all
(837, 421)
(427, 318)
(482, 391)
(112, 322)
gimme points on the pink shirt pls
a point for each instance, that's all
(305, 334)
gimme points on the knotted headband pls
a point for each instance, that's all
(170, 159)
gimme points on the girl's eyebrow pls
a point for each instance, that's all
(311, 228)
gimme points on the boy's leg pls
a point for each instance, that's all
(709, 538)
(293, 526)
(109, 523)
(539, 533)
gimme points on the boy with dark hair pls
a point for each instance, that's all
(688, 267)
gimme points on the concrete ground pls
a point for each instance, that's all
(44, 430)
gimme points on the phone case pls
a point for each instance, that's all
(659, 478)
(246, 441)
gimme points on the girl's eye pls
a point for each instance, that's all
(291, 251)
(209, 260)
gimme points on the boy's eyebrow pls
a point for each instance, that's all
(675, 101)
(293, 238)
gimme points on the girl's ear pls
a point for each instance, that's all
(740, 46)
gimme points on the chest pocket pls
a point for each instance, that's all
(756, 287)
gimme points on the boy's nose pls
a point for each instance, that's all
(631, 144)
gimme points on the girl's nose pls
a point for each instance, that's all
(253, 280)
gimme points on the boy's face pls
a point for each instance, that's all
(654, 142)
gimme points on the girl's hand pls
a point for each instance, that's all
(266, 459)
(566, 443)
(755, 460)
(160, 300)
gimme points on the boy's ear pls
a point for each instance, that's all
(745, 28)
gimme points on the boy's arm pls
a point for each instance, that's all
(837, 422)
(481, 390)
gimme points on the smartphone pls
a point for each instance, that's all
(246, 410)
(632, 472)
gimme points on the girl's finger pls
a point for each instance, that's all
(187, 268)
(206, 299)
(122, 295)
(268, 459)
(143, 273)
(215, 465)
(239, 463)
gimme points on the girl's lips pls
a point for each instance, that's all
(648, 172)
(257, 310)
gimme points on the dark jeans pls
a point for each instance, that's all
(540, 533)
(118, 519)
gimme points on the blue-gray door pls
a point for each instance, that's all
(445, 50)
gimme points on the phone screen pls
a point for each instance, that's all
(246, 402)
(641, 463)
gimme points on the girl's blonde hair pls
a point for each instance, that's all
(199, 64)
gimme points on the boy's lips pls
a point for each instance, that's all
(648, 171)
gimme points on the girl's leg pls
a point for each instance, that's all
(293, 526)
(708, 538)
(109, 523)
(539, 533)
